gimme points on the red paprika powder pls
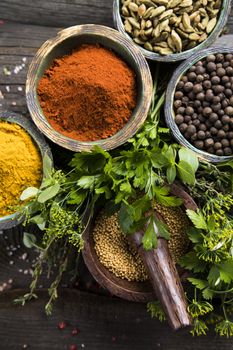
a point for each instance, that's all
(89, 94)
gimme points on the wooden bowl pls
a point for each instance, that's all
(9, 221)
(169, 112)
(133, 291)
(63, 44)
(222, 20)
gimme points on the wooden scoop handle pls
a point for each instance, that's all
(164, 279)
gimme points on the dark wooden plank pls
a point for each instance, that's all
(104, 323)
(58, 12)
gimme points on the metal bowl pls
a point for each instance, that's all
(63, 44)
(169, 112)
(222, 20)
(9, 221)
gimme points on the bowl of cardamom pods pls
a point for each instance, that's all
(24, 156)
(172, 30)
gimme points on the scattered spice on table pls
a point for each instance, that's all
(89, 94)
(20, 165)
(203, 104)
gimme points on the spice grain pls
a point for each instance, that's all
(20, 165)
(88, 95)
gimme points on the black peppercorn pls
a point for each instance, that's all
(189, 110)
(199, 78)
(211, 66)
(209, 142)
(200, 96)
(178, 95)
(188, 86)
(213, 131)
(229, 57)
(197, 103)
(217, 145)
(187, 118)
(225, 79)
(225, 143)
(224, 103)
(177, 103)
(229, 71)
(200, 70)
(220, 72)
(225, 119)
(227, 151)
(207, 111)
(229, 110)
(220, 112)
(181, 110)
(218, 124)
(192, 76)
(219, 152)
(228, 93)
(201, 134)
(199, 144)
(183, 127)
(215, 80)
(210, 58)
(179, 119)
(207, 84)
(216, 99)
(216, 107)
(219, 57)
(191, 129)
(221, 134)
(180, 86)
(184, 79)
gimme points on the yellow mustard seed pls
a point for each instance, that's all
(114, 251)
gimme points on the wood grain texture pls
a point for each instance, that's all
(58, 12)
(103, 323)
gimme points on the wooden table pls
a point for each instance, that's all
(103, 322)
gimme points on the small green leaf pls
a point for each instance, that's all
(190, 157)
(87, 182)
(29, 240)
(186, 173)
(47, 166)
(200, 284)
(48, 193)
(126, 187)
(126, 218)
(149, 239)
(194, 235)
(28, 193)
(171, 174)
(163, 230)
(197, 219)
(191, 262)
(207, 293)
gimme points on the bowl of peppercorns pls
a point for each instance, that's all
(199, 104)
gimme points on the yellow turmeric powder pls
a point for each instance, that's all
(20, 165)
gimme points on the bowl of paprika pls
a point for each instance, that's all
(89, 86)
(24, 153)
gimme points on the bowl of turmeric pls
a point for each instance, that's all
(23, 151)
(89, 86)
